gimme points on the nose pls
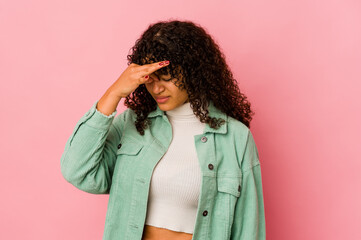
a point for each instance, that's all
(156, 86)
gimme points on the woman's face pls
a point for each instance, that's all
(160, 86)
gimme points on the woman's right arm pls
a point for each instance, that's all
(89, 156)
(90, 152)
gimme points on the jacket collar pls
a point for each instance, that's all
(213, 112)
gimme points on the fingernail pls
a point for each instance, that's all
(166, 62)
(146, 76)
(161, 63)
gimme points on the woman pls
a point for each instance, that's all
(180, 163)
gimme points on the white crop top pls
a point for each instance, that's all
(176, 180)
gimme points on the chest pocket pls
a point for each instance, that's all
(129, 148)
(127, 155)
(228, 192)
(229, 185)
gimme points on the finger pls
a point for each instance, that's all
(150, 68)
(146, 79)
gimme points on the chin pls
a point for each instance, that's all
(166, 107)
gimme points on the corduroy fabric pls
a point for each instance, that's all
(106, 155)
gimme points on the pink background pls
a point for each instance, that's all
(299, 63)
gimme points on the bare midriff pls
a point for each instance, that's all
(155, 233)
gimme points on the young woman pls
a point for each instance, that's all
(180, 163)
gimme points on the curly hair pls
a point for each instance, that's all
(196, 64)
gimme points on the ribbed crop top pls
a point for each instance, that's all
(176, 180)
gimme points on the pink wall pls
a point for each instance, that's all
(297, 61)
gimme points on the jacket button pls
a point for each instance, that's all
(119, 146)
(239, 188)
(210, 166)
(205, 213)
(204, 139)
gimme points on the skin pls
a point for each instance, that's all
(162, 86)
(155, 233)
(127, 82)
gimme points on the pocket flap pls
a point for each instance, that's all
(129, 148)
(231, 185)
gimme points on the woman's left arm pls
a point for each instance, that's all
(249, 216)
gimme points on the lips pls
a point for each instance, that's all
(161, 98)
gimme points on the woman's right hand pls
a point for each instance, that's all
(133, 76)
(129, 80)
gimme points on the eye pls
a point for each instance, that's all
(167, 80)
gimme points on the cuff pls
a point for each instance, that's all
(97, 119)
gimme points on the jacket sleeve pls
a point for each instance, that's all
(249, 217)
(90, 152)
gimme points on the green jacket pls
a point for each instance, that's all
(106, 155)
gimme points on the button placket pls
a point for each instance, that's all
(210, 166)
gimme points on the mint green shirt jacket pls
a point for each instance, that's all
(106, 155)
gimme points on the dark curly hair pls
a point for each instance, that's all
(196, 64)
